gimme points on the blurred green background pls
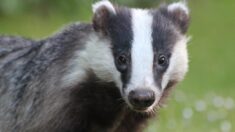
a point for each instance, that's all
(204, 101)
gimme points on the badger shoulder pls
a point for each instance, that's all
(70, 33)
(10, 44)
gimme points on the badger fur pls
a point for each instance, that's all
(107, 76)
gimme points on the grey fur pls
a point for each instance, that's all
(30, 71)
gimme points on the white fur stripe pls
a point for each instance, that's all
(178, 63)
(142, 49)
(96, 56)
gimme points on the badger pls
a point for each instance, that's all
(110, 75)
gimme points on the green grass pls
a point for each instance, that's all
(208, 91)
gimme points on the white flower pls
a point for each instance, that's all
(229, 103)
(187, 113)
(218, 101)
(225, 126)
(200, 106)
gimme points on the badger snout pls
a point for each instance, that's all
(141, 99)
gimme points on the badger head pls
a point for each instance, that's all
(148, 47)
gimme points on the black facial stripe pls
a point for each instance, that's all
(164, 38)
(121, 34)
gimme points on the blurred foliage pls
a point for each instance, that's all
(50, 14)
(44, 7)
(10, 7)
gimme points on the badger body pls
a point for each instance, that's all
(108, 76)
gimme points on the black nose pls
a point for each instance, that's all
(141, 98)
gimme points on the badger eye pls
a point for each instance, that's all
(162, 60)
(122, 60)
(122, 63)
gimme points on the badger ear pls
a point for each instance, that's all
(179, 14)
(102, 10)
